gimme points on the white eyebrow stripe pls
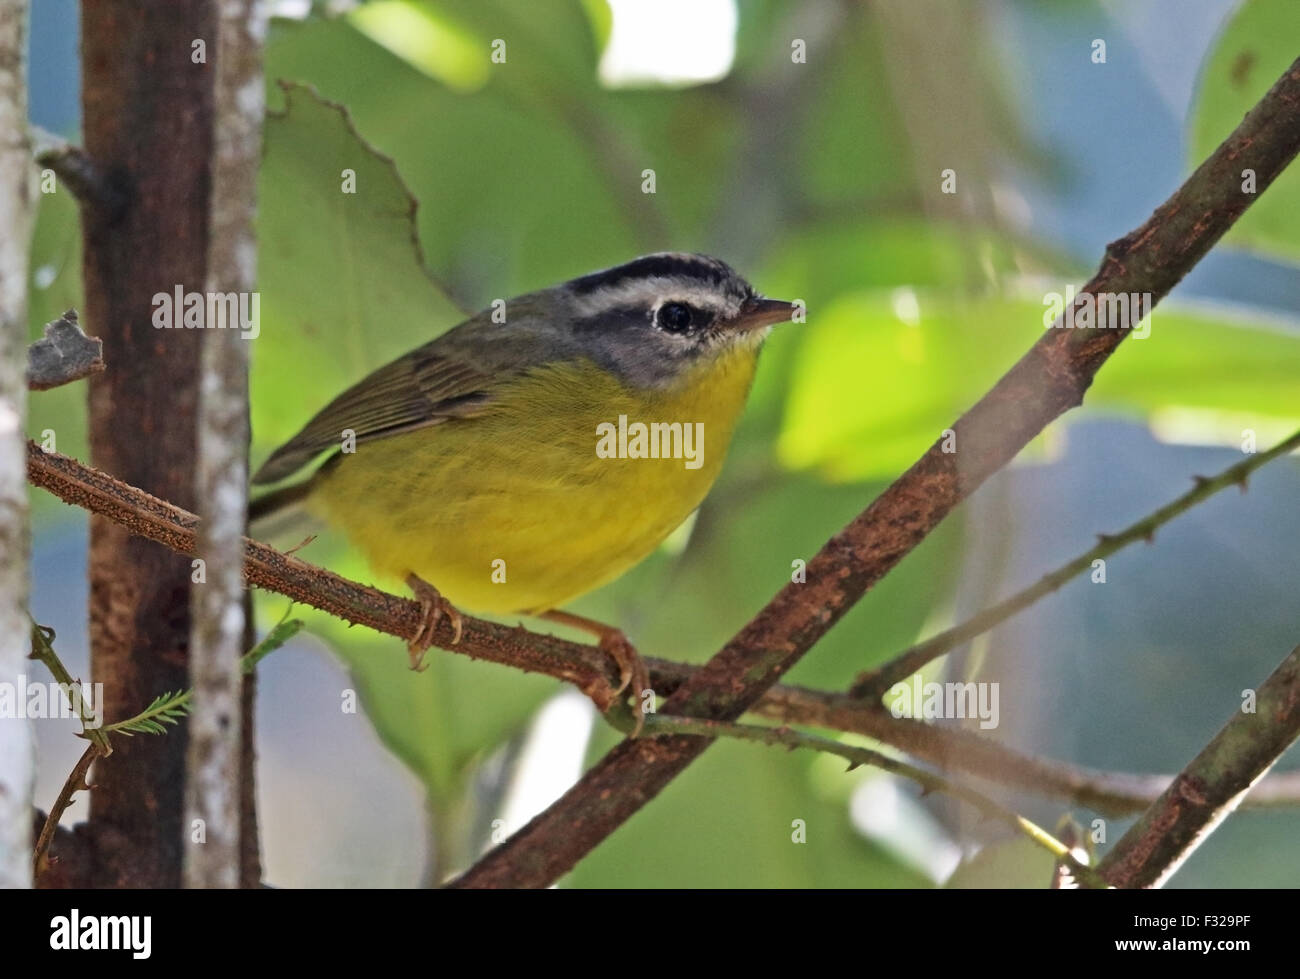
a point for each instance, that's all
(652, 292)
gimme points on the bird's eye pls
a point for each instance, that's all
(675, 317)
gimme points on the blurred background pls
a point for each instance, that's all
(804, 144)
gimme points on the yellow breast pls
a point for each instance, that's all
(552, 492)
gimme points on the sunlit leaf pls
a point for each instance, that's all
(1256, 47)
(730, 820)
(1014, 863)
(880, 376)
(343, 288)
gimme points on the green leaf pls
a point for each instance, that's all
(434, 45)
(872, 155)
(280, 633)
(1204, 360)
(922, 359)
(729, 821)
(166, 709)
(1016, 863)
(602, 20)
(344, 290)
(536, 177)
(835, 257)
(742, 550)
(440, 722)
(1256, 47)
(343, 285)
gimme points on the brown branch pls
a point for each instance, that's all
(70, 857)
(1050, 379)
(874, 683)
(952, 749)
(1212, 786)
(63, 354)
(157, 520)
(577, 663)
(87, 182)
(957, 750)
(74, 783)
(856, 755)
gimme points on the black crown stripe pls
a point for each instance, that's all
(685, 266)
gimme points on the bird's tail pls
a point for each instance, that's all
(278, 502)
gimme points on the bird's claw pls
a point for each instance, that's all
(632, 671)
(432, 608)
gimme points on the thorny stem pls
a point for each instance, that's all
(929, 781)
(75, 782)
(43, 651)
(875, 682)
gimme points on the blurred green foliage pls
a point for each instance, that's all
(802, 175)
(1258, 44)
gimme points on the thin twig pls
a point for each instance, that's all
(70, 164)
(74, 783)
(91, 728)
(43, 651)
(279, 634)
(164, 710)
(957, 750)
(665, 724)
(1212, 786)
(874, 683)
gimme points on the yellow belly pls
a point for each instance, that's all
(514, 510)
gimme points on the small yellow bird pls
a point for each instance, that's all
(541, 448)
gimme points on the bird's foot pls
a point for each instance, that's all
(634, 677)
(432, 607)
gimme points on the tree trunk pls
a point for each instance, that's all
(147, 104)
(17, 746)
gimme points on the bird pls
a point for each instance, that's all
(541, 448)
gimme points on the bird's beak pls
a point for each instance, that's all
(758, 313)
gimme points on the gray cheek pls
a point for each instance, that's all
(625, 343)
(650, 360)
